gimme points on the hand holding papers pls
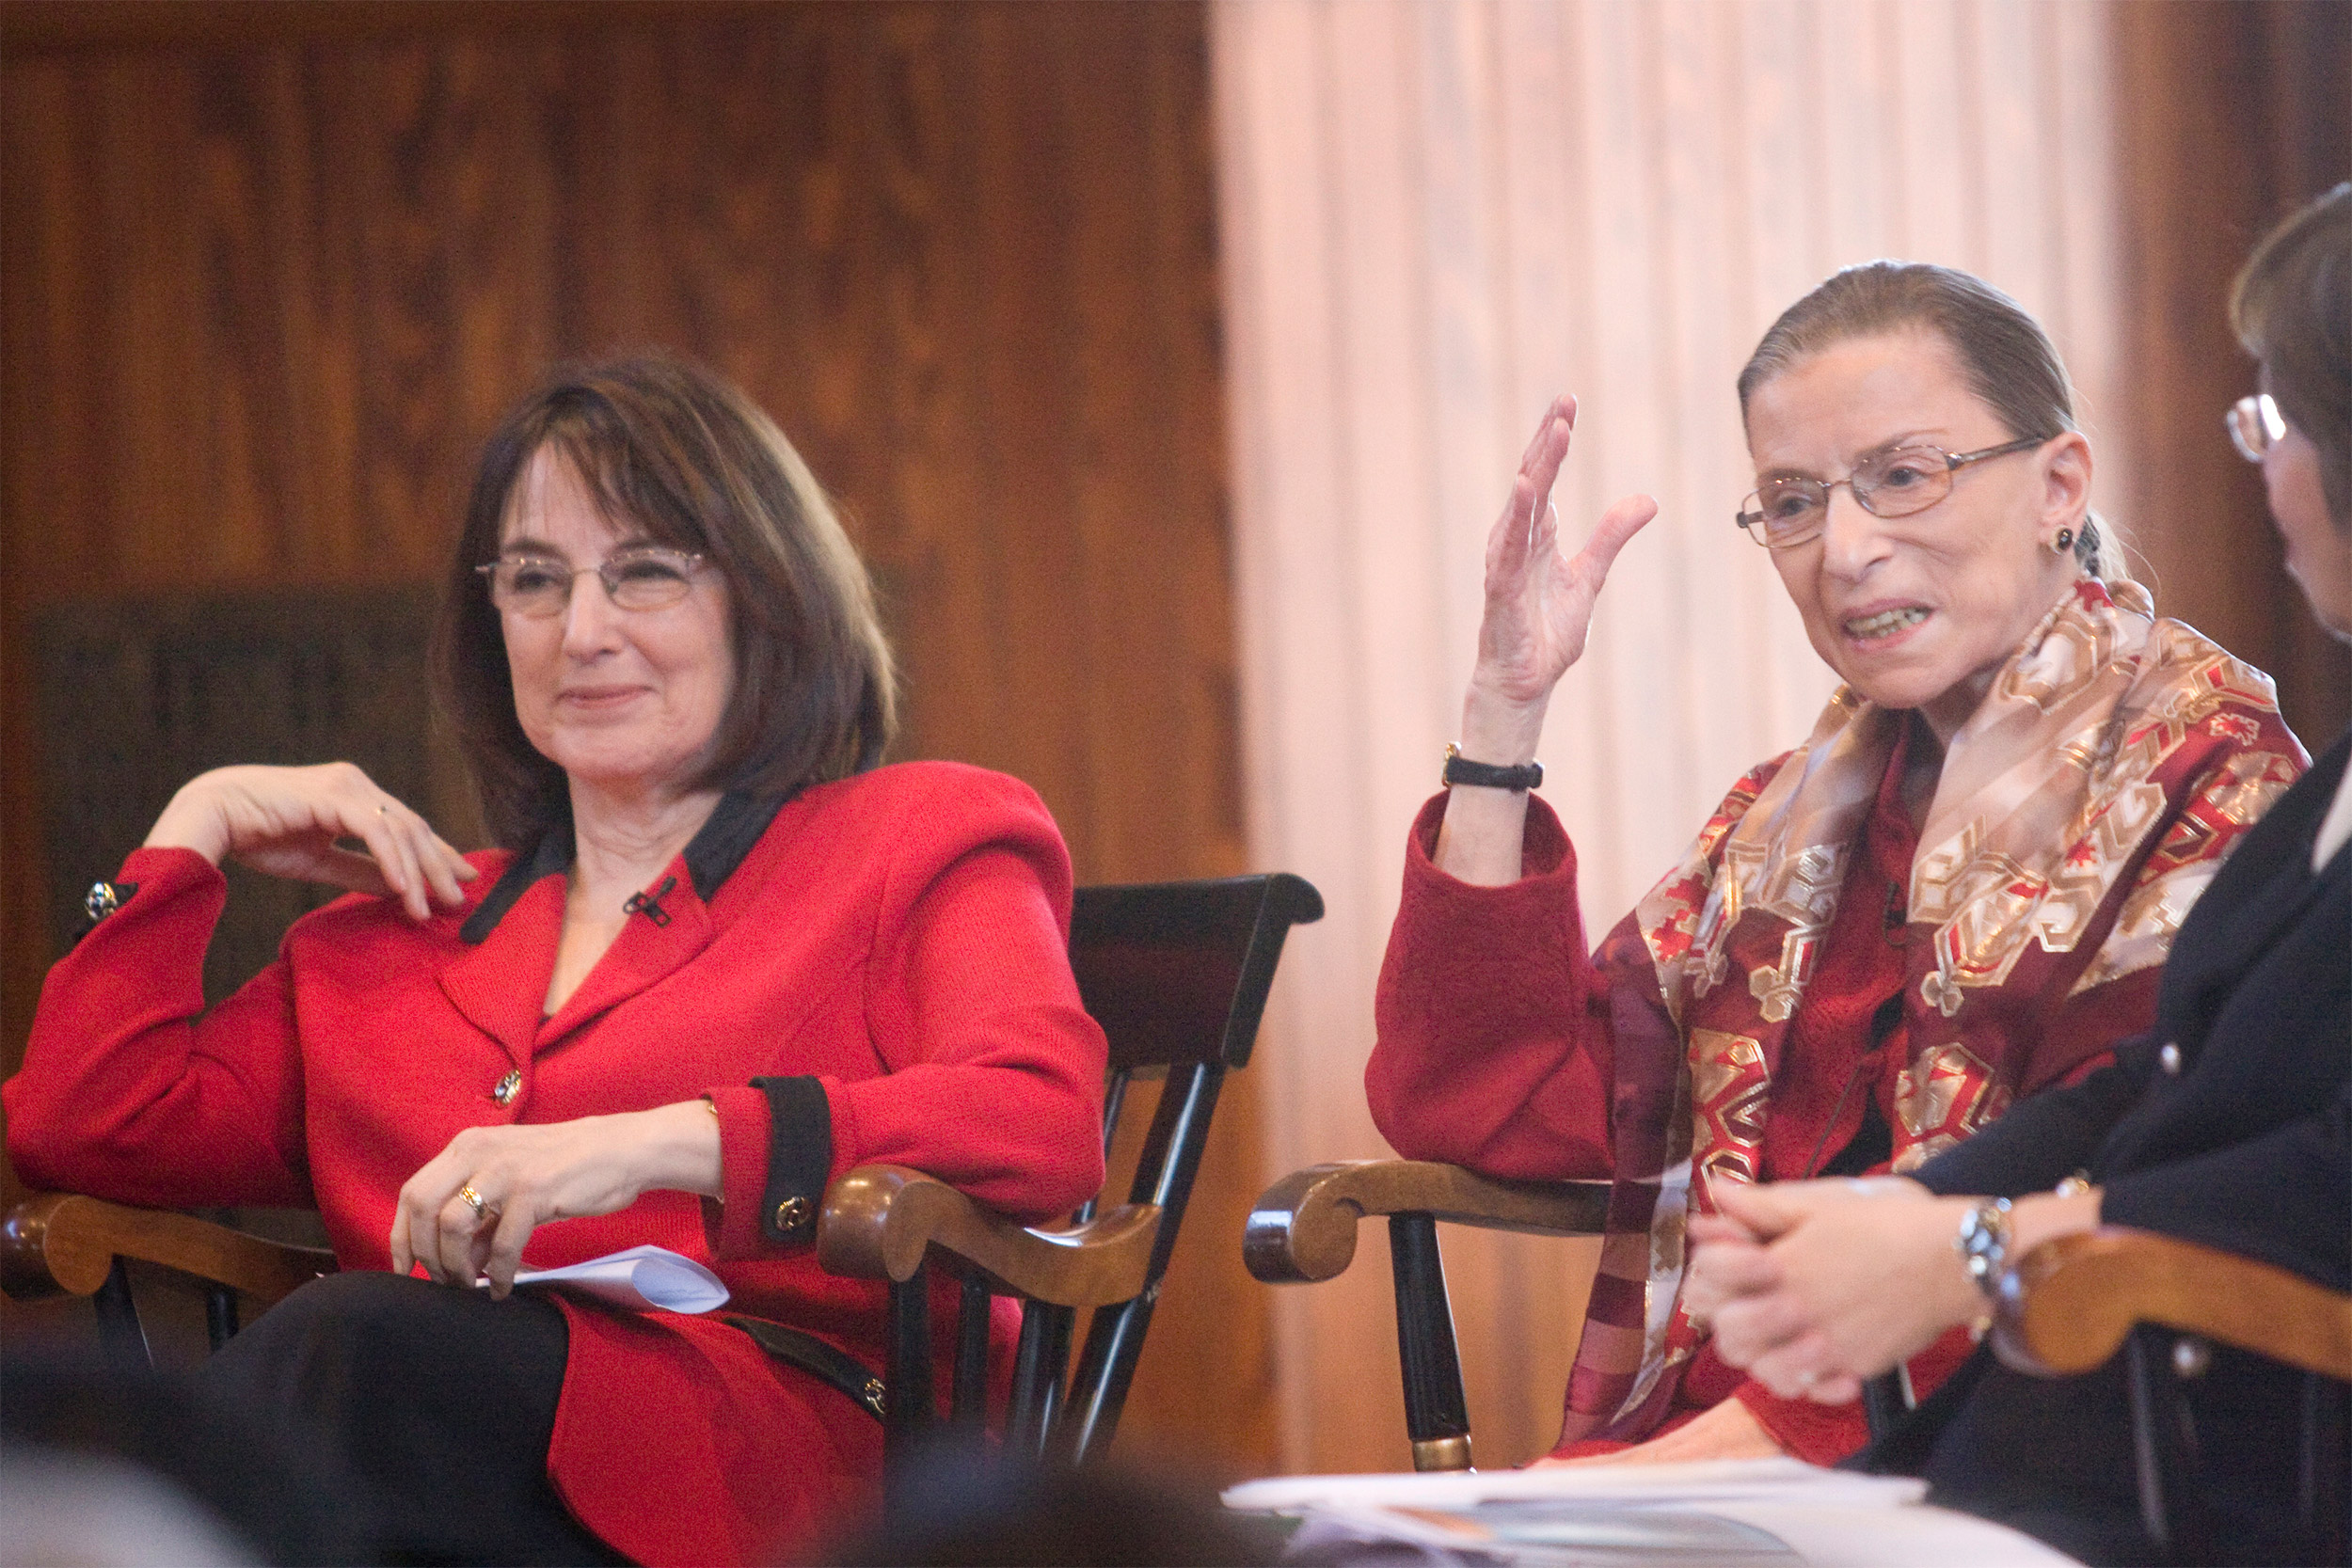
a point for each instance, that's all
(642, 1277)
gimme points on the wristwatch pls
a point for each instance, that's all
(1983, 1242)
(1459, 769)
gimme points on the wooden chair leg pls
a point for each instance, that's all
(1437, 1413)
(1164, 1174)
(908, 1414)
(968, 1398)
(2164, 1450)
(1106, 1366)
(220, 1314)
(119, 1335)
(1038, 1371)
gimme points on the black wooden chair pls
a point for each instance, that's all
(1303, 1230)
(1176, 973)
(2072, 1304)
(2066, 1308)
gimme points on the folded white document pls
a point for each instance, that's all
(642, 1278)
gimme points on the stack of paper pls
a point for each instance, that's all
(642, 1278)
(1764, 1512)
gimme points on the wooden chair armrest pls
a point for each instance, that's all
(1304, 1228)
(2067, 1305)
(879, 1221)
(63, 1243)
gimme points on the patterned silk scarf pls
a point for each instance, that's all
(2078, 815)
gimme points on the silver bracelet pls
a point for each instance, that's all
(1983, 1242)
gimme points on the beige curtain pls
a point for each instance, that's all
(1437, 213)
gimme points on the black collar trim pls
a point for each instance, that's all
(553, 854)
(735, 825)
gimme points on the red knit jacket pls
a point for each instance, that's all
(1485, 1057)
(900, 936)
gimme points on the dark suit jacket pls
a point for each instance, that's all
(2238, 1136)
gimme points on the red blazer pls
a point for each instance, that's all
(900, 936)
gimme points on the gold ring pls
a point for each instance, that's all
(473, 1199)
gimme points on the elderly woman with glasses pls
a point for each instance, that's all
(717, 958)
(2229, 1123)
(1953, 896)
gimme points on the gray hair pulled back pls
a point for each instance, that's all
(2010, 362)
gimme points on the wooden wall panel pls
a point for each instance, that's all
(268, 273)
(2234, 115)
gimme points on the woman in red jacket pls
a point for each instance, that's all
(1955, 894)
(720, 957)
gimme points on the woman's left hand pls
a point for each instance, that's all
(521, 1177)
(1729, 1431)
(1813, 1286)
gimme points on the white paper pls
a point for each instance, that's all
(1721, 1512)
(1918, 1535)
(642, 1277)
(1631, 1485)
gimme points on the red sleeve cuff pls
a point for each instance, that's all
(1816, 1433)
(731, 1226)
(1532, 928)
(1826, 1434)
(168, 870)
(1544, 850)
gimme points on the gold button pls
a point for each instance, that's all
(792, 1213)
(509, 1086)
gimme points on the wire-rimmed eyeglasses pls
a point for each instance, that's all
(1792, 510)
(644, 577)
(2255, 425)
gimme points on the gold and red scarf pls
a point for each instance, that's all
(2079, 813)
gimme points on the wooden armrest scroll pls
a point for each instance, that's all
(1304, 1228)
(2067, 1306)
(63, 1243)
(879, 1221)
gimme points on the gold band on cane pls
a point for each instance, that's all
(1443, 1454)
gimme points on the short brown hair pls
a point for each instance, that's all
(688, 459)
(2292, 307)
(2010, 364)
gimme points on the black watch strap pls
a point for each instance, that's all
(1459, 769)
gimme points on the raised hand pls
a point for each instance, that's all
(469, 1209)
(1539, 607)
(1540, 601)
(286, 821)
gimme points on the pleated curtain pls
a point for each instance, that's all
(1435, 214)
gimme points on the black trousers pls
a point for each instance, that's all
(438, 1403)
